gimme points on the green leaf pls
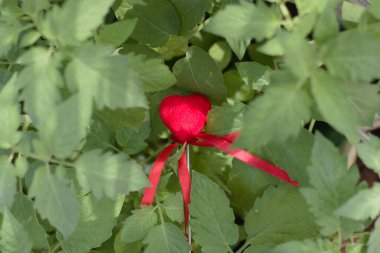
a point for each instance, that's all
(156, 21)
(212, 218)
(9, 115)
(75, 21)
(374, 8)
(131, 117)
(166, 238)
(97, 219)
(236, 87)
(374, 239)
(365, 99)
(62, 131)
(365, 204)
(271, 221)
(292, 155)
(174, 207)
(108, 80)
(272, 47)
(226, 119)
(121, 247)
(98, 136)
(327, 25)
(275, 116)
(369, 152)
(198, 72)
(191, 13)
(352, 12)
(55, 201)
(133, 140)
(154, 74)
(254, 74)
(353, 55)
(259, 248)
(220, 52)
(212, 163)
(40, 80)
(299, 55)
(246, 184)
(318, 246)
(109, 174)
(241, 22)
(24, 212)
(14, 238)
(116, 33)
(335, 105)
(137, 226)
(7, 183)
(33, 7)
(9, 34)
(239, 47)
(331, 186)
(176, 46)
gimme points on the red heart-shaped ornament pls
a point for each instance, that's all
(185, 116)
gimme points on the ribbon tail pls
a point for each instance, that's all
(155, 174)
(185, 180)
(242, 155)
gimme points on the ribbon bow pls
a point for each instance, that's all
(185, 116)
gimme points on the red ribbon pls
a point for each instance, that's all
(185, 116)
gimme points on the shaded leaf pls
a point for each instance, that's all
(156, 21)
(191, 13)
(226, 119)
(197, 72)
(23, 211)
(254, 74)
(98, 136)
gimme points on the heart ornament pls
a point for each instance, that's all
(185, 116)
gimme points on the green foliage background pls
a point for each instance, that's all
(80, 84)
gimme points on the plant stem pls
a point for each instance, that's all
(55, 247)
(245, 245)
(160, 213)
(311, 125)
(51, 160)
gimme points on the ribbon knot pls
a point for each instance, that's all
(185, 117)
